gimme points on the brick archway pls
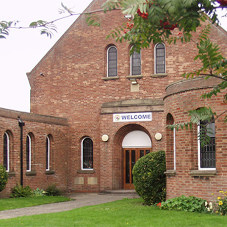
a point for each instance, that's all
(118, 165)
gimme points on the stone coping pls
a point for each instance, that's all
(191, 84)
(13, 114)
(203, 173)
(170, 172)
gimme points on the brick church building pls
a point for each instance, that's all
(95, 110)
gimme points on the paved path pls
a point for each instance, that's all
(80, 200)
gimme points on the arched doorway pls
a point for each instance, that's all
(135, 145)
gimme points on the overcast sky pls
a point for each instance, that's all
(23, 49)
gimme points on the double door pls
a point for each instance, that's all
(131, 155)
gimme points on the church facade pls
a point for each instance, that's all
(95, 110)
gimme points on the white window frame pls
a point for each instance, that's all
(82, 154)
(199, 153)
(30, 151)
(7, 136)
(174, 149)
(48, 153)
(108, 61)
(155, 69)
(131, 64)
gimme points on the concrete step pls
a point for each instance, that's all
(120, 191)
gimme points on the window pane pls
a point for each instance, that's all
(5, 151)
(87, 153)
(160, 58)
(112, 61)
(47, 153)
(28, 153)
(207, 152)
(136, 63)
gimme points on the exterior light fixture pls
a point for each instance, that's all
(158, 136)
(105, 138)
(133, 81)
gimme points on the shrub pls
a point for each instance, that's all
(3, 177)
(20, 191)
(191, 203)
(149, 178)
(39, 192)
(52, 190)
(222, 203)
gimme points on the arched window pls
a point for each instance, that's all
(160, 61)
(135, 60)
(207, 153)
(87, 153)
(170, 144)
(28, 152)
(48, 152)
(6, 151)
(111, 61)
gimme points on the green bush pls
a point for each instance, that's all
(191, 203)
(39, 192)
(3, 177)
(52, 190)
(149, 178)
(20, 191)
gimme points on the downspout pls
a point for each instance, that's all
(21, 124)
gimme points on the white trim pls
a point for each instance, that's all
(199, 153)
(48, 153)
(82, 152)
(155, 57)
(174, 148)
(107, 73)
(30, 151)
(7, 137)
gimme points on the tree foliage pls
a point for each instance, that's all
(155, 21)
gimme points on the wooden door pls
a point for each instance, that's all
(131, 155)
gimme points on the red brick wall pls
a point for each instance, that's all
(73, 87)
(183, 183)
(40, 128)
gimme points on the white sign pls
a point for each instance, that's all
(128, 117)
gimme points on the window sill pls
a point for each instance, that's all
(111, 78)
(11, 174)
(31, 173)
(170, 173)
(85, 171)
(159, 75)
(203, 173)
(50, 172)
(134, 77)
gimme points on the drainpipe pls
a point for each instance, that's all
(21, 124)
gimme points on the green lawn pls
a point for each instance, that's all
(127, 212)
(13, 203)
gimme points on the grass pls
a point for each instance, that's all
(127, 212)
(14, 203)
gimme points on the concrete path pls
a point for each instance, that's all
(80, 200)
